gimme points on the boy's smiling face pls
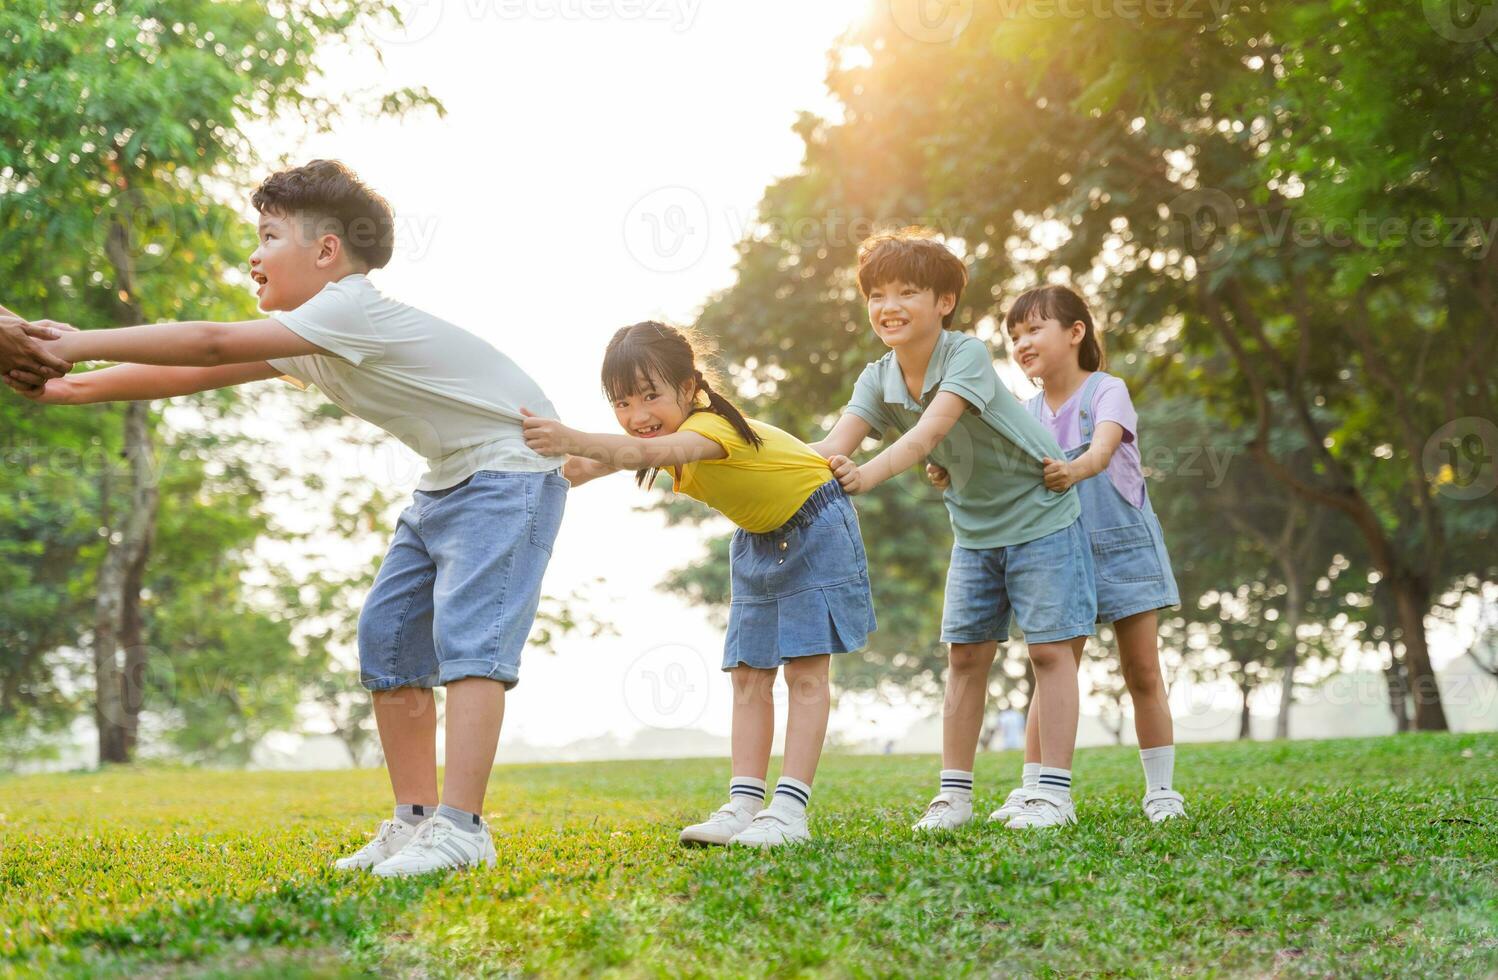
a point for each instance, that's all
(903, 313)
(292, 263)
(653, 409)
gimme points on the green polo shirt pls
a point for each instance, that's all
(993, 453)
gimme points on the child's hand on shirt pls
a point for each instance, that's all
(547, 436)
(938, 475)
(847, 473)
(1058, 474)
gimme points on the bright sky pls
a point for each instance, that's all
(596, 167)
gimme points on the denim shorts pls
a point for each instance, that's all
(458, 591)
(801, 589)
(1047, 584)
(1128, 550)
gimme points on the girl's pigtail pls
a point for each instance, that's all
(722, 406)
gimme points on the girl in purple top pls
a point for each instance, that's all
(1092, 418)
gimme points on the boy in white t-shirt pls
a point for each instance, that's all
(457, 593)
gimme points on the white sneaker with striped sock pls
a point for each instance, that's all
(440, 846)
(727, 820)
(1164, 804)
(388, 841)
(772, 828)
(1043, 809)
(1014, 805)
(947, 811)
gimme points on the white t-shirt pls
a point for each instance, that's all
(447, 394)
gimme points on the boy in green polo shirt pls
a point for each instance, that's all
(1019, 547)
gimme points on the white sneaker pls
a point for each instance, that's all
(771, 828)
(1164, 804)
(439, 846)
(388, 841)
(946, 812)
(1043, 809)
(1014, 805)
(727, 820)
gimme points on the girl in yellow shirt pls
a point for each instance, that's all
(800, 580)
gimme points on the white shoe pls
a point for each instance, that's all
(388, 841)
(727, 820)
(1043, 809)
(946, 812)
(439, 846)
(772, 828)
(1014, 805)
(1163, 804)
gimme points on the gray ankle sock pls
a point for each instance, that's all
(462, 819)
(414, 813)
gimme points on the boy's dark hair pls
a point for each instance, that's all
(331, 197)
(1057, 302)
(912, 255)
(647, 349)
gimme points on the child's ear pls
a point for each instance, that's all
(1078, 331)
(946, 303)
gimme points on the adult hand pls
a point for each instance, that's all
(22, 350)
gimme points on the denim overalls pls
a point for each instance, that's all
(1128, 547)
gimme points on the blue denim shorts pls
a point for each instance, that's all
(801, 589)
(1047, 583)
(458, 591)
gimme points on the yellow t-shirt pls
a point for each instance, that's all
(758, 489)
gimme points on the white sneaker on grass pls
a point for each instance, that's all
(946, 811)
(772, 828)
(727, 820)
(1164, 804)
(392, 836)
(1014, 805)
(1043, 809)
(439, 846)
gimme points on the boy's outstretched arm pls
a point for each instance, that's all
(846, 436)
(197, 343)
(141, 382)
(935, 422)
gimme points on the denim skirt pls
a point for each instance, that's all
(802, 589)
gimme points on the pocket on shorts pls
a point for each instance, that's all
(1125, 554)
(546, 518)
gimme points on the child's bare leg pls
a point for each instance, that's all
(806, 720)
(1032, 711)
(1139, 654)
(753, 720)
(475, 711)
(1056, 697)
(407, 720)
(962, 709)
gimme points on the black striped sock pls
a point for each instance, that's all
(792, 794)
(748, 789)
(956, 781)
(1057, 781)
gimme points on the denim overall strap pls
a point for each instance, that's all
(1084, 410)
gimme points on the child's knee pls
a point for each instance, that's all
(967, 657)
(1048, 656)
(1142, 677)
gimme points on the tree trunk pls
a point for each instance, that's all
(1412, 600)
(1245, 728)
(116, 616)
(132, 624)
(1398, 691)
(1292, 653)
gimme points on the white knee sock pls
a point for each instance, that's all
(1030, 775)
(1159, 767)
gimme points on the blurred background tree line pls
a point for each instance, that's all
(1285, 216)
(1284, 212)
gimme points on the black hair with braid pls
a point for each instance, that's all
(651, 350)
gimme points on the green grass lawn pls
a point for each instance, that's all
(1373, 856)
